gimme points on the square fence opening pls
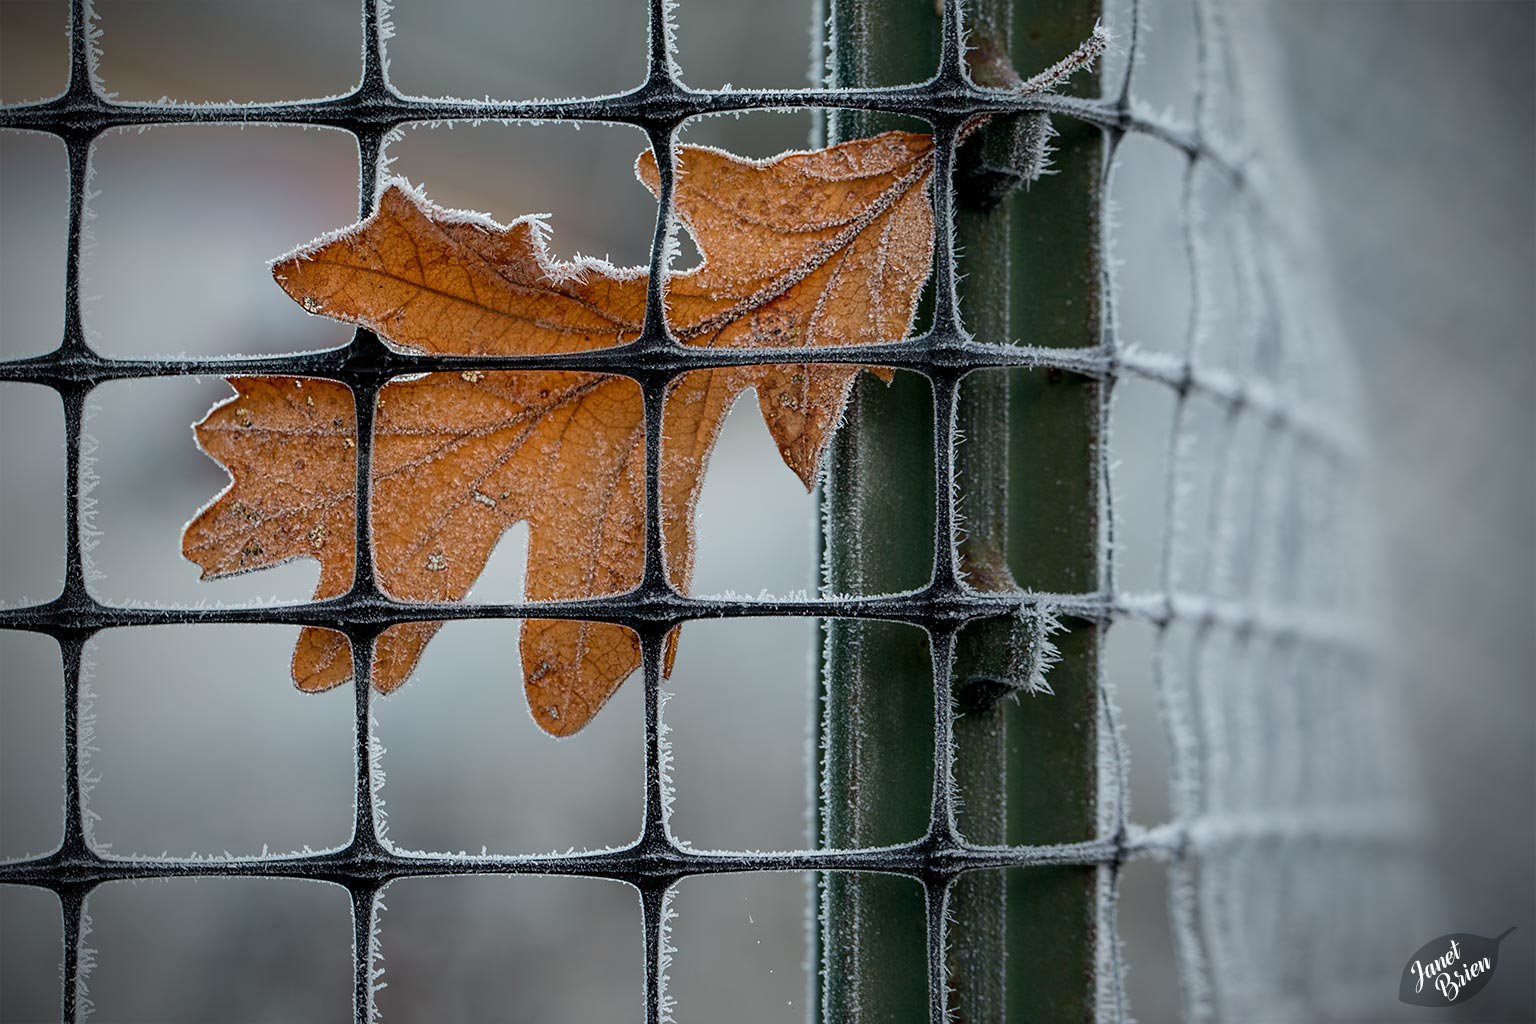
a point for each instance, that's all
(229, 949)
(33, 464)
(34, 207)
(465, 767)
(469, 949)
(243, 53)
(579, 178)
(31, 934)
(274, 776)
(740, 948)
(184, 217)
(148, 480)
(34, 51)
(477, 49)
(734, 703)
(31, 745)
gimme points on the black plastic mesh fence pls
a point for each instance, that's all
(1203, 825)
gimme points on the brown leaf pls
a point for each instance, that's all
(804, 251)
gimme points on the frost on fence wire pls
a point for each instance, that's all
(1288, 850)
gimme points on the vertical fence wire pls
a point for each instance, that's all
(1209, 886)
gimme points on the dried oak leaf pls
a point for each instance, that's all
(803, 251)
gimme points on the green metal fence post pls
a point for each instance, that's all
(1020, 948)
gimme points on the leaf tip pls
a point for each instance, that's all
(322, 660)
(806, 470)
(548, 720)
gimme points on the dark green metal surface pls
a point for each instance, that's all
(1021, 947)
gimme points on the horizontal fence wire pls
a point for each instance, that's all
(654, 863)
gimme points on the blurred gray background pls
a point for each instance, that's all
(1414, 129)
(1401, 131)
